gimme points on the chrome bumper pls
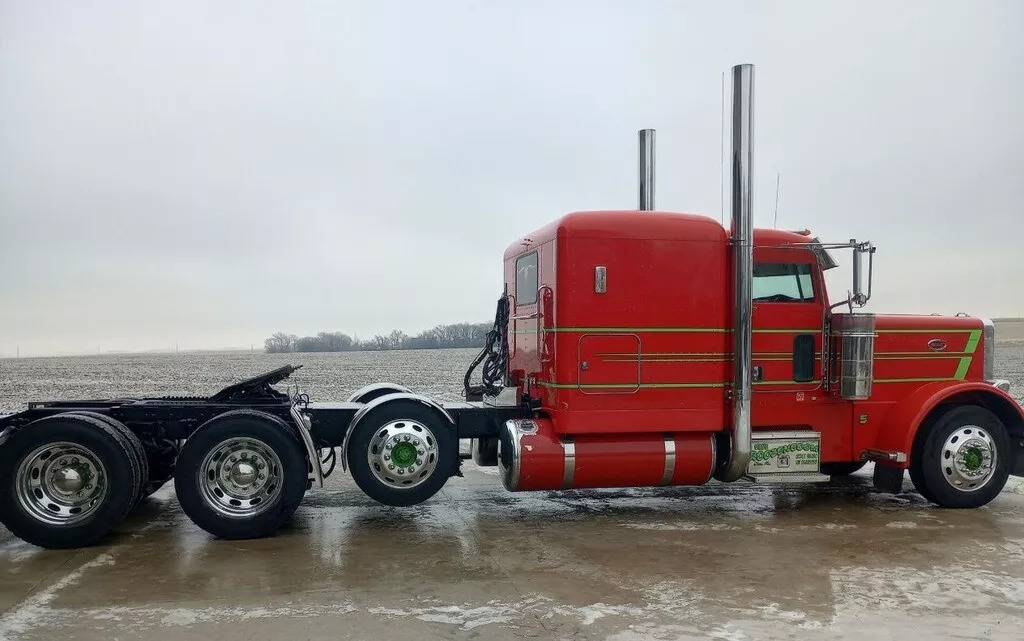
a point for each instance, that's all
(1000, 384)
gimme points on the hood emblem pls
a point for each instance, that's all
(936, 344)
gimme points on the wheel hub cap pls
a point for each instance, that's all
(403, 454)
(61, 483)
(68, 480)
(968, 458)
(243, 474)
(240, 477)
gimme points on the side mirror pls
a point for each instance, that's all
(861, 290)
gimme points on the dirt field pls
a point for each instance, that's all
(1010, 329)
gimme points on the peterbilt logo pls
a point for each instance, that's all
(936, 344)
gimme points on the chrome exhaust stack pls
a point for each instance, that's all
(742, 241)
(646, 170)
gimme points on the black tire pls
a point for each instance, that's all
(111, 449)
(270, 432)
(398, 410)
(133, 441)
(930, 467)
(845, 468)
(916, 471)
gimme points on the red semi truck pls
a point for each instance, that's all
(630, 349)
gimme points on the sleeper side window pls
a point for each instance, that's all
(526, 279)
(783, 283)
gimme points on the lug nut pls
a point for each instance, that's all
(387, 458)
(388, 446)
(406, 438)
(419, 461)
(74, 461)
(401, 470)
(391, 467)
(260, 465)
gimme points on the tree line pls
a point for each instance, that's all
(457, 335)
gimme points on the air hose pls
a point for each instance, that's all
(494, 356)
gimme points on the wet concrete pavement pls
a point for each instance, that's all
(830, 561)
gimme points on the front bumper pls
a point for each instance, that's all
(1000, 384)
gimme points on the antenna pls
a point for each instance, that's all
(778, 179)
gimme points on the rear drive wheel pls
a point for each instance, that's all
(132, 441)
(66, 480)
(402, 453)
(962, 461)
(241, 475)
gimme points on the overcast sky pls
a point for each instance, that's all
(206, 173)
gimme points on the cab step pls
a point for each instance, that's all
(807, 477)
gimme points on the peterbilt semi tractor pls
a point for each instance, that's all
(634, 348)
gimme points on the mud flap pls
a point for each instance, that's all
(888, 479)
(1017, 455)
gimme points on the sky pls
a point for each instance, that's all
(203, 174)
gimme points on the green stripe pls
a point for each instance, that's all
(786, 383)
(912, 380)
(675, 330)
(659, 385)
(972, 342)
(921, 353)
(757, 355)
(628, 385)
(648, 359)
(933, 357)
(669, 330)
(934, 330)
(961, 369)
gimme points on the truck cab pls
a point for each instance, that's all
(621, 324)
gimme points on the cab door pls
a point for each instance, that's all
(787, 321)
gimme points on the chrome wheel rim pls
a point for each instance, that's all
(402, 454)
(968, 458)
(61, 483)
(240, 477)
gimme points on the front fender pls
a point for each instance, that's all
(901, 423)
(381, 400)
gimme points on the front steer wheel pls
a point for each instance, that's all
(402, 453)
(961, 459)
(241, 475)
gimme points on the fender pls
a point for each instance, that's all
(899, 428)
(377, 402)
(374, 390)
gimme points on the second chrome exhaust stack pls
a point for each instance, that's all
(741, 240)
(646, 166)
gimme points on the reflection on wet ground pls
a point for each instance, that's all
(832, 561)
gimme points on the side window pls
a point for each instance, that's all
(783, 283)
(526, 279)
